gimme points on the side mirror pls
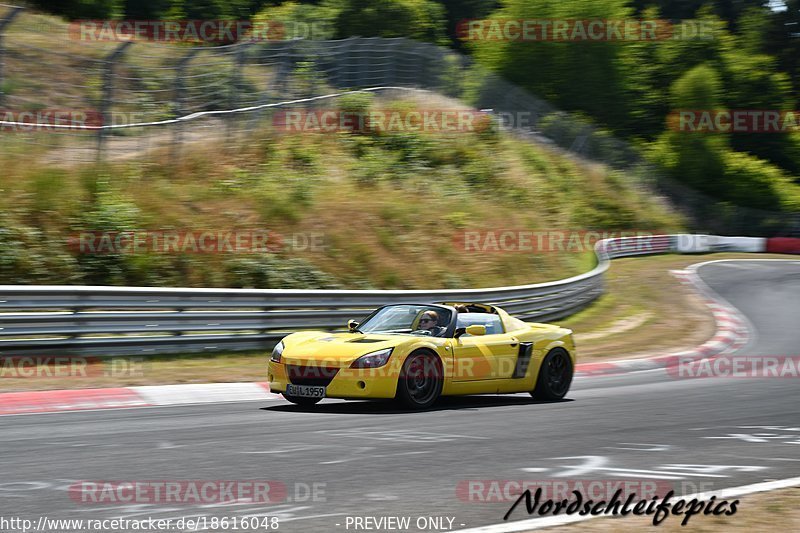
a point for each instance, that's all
(476, 330)
(352, 325)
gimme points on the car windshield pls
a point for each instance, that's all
(424, 320)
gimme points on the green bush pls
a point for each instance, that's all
(274, 272)
(29, 256)
(110, 212)
(417, 19)
(357, 103)
(756, 183)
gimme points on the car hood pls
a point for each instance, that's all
(335, 349)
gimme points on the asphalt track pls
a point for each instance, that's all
(695, 434)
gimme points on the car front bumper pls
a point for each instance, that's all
(346, 383)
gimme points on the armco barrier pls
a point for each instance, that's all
(686, 243)
(783, 245)
(691, 243)
(143, 320)
(737, 244)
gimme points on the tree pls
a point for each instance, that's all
(696, 158)
(458, 11)
(753, 83)
(576, 76)
(783, 40)
(417, 19)
(82, 9)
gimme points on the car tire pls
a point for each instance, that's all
(299, 400)
(555, 376)
(421, 380)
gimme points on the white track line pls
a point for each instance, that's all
(202, 393)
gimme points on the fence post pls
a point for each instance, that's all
(3, 23)
(287, 70)
(264, 96)
(180, 100)
(235, 87)
(363, 62)
(390, 77)
(337, 56)
(108, 92)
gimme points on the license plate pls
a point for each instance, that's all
(305, 391)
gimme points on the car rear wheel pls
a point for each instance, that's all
(299, 400)
(555, 376)
(421, 381)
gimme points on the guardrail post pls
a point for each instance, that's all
(108, 91)
(11, 15)
(180, 101)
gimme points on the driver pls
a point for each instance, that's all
(429, 321)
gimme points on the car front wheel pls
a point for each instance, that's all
(421, 381)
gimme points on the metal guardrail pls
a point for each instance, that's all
(142, 320)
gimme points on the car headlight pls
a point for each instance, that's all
(373, 359)
(277, 351)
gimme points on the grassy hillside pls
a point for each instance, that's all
(389, 208)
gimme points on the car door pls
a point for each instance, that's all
(483, 357)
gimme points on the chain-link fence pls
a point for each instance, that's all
(140, 97)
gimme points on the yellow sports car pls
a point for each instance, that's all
(419, 352)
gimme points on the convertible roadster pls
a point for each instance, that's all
(419, 352)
